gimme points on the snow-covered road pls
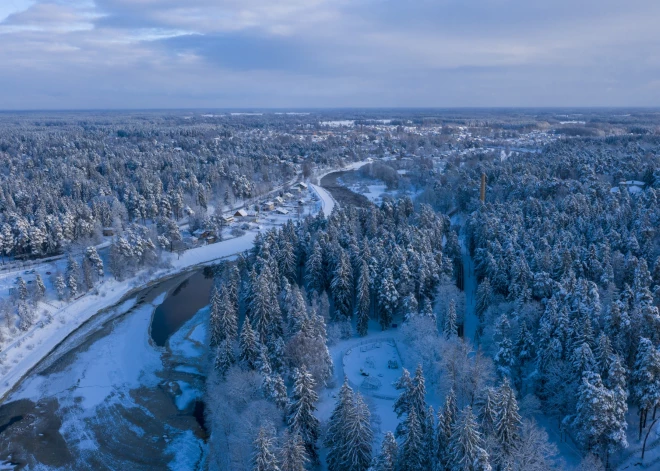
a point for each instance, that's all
(328, 203)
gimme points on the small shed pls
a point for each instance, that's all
(241, 213)
(108, 231)
(281, 211)
(268, 206)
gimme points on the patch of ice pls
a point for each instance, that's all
(188, 395)
(187, 451)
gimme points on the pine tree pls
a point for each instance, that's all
(389, 450)
(264, 458)
(300, 417)
(249, 346)
(363, 300)
(292, 453)
(466, 444)
(451, 328)
(508, 421)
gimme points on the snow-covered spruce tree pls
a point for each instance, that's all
(342, 288)
(484, 297)
(645, 380)
(264, 458)
(487, 411)
(417, 394)
(388, 298)
(300, 416)
(447, 417)
(60, 287)
(594, 412)
(335, 437)
(72, 274)
(402, 403)
(450, 328)
(603, 355)
(223, 318)
(292, 453)
(273, 385)
(616, 383)
(466, 444)
(224, 356)
(216, 335)
(359, 437)
(427, 310)
(264, 308)
(39, 288)
(508, 420)
(315, 276)
(387, 458)
(22, 289)
(296, 311)
(429, 438)
(25, 316)
(308, 347)
(92, 255)
(249, 346)
(363, 302)
(411, 452)
(88, 275)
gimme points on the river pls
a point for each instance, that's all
(123, 392)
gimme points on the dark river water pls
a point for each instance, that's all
(181, 304)
(124, 393)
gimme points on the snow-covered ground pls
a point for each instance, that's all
(26, 349)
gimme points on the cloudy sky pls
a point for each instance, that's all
(82, 54)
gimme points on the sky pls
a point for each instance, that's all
(140, 54)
